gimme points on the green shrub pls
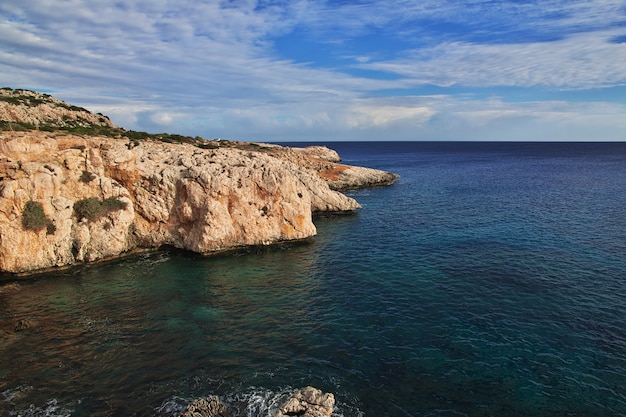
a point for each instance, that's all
(86, 177)
(93, 208)
(34, 218)
(11, 99)
(76, 108)
(113, 204)
(131, 134)
(23, 99)
(88, 208)
(15, 126)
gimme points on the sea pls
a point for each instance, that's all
(489, 280)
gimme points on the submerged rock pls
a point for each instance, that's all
(23, 324)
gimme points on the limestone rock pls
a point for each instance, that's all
(98, 197)
(305, 402)
(206, 407)
(325, 163)
(308, 402)
(320, 152)
(202, 200)
(346, 177)
(25, 107)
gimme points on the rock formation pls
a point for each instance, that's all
(305, 402)
(206, 407)
(22, 108)
(67, 198)
(308, 402)
(339, 177)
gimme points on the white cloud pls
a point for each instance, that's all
(162, 118)
(210, 68)
(577, 62)
(372, 115)
(347, 19)
(493, 119)
(416, 118)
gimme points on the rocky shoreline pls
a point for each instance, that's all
(305, 402)
(68, 198)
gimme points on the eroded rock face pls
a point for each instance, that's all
(308, 402)
(206, 407)
(170, 194)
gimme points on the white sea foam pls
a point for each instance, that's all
(257, 401)
(250, 402)
(52, 408)
(173, 406)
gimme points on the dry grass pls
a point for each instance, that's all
(333, 173)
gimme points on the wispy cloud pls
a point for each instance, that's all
(217, 68)
(579, 61)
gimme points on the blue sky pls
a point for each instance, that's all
(304, 70)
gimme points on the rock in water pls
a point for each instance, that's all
(308, 402)
(206, 407)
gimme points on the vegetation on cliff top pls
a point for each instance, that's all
(30, 98)
(80, 125)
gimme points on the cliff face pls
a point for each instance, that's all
(173, 194)
(66, 199)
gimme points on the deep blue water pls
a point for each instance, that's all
(490, 280)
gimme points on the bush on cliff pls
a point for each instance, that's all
(93, 208)
(34, 218)
(87, 177)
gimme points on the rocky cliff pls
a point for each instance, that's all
(68, 198)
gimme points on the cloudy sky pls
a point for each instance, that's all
(321, 70)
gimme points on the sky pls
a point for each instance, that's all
(322, 70)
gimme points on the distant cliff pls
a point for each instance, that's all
(26, 110)
(76, 188)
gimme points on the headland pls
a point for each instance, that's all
(75, 188)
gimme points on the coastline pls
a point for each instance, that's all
(458, 266)
(75, 188)
(202, 200)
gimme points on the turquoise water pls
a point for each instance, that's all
(488, 281)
